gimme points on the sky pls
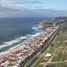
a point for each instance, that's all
(29, 8)
(35, 4)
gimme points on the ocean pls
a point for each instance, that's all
(16, 30)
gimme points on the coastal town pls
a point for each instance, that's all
(56, 54)
(33, 33)
(17, 56)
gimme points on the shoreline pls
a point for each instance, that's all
(26, 48)
(20, 43)
(11, 44)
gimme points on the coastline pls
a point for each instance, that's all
(26, 48)
(31, 45)
(11, 44)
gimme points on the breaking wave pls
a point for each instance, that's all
(9, 45)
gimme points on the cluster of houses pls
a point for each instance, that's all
(19, 54)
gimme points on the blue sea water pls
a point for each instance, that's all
(15, 30)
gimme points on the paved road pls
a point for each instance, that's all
(39, 54)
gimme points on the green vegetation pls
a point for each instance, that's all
(57, 65)
(60, 53)
(58, 50)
